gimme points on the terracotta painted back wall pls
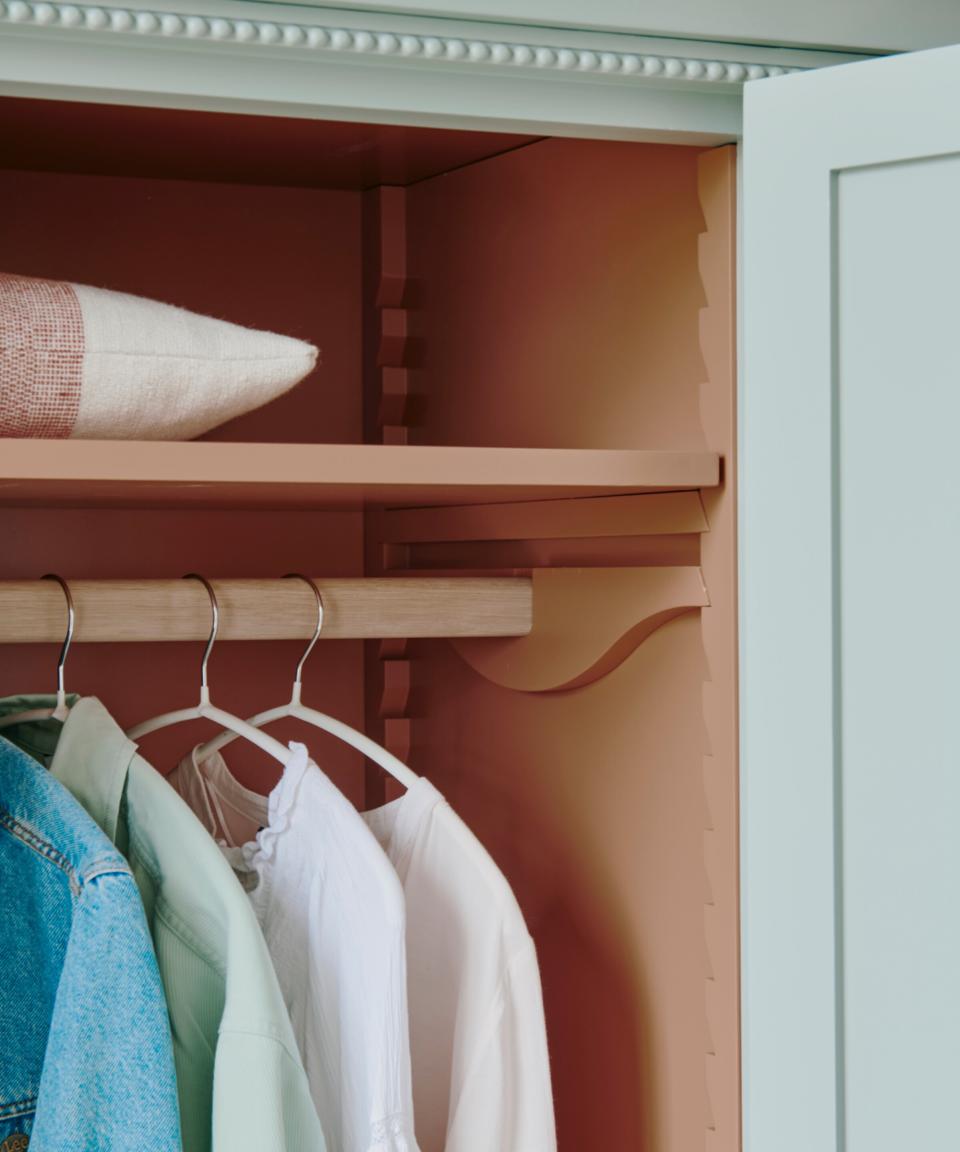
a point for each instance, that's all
(283, 259)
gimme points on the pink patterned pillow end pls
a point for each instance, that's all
(41, 357)
(88, 363)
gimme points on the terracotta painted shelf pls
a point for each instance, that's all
(204, 474)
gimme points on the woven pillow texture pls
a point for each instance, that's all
(91, 364)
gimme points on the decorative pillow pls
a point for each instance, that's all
(90, 364)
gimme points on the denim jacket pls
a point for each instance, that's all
(240, 1077)
(86, 1061)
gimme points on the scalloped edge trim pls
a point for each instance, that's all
(397, 46)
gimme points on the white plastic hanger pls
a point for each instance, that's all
(209, 711)
(397, 769)
(61, 711)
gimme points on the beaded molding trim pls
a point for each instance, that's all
(394, 45)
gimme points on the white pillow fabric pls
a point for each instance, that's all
(91, 364)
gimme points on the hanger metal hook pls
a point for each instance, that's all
(316, 633)
(68, 640)
(214, 629)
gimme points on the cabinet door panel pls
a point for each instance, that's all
(850, 624)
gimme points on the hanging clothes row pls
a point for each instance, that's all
(195, 965)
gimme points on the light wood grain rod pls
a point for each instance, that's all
(34, 611)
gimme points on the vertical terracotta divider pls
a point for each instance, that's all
(590, 799)
(385, 413)
(717, 258)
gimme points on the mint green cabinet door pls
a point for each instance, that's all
(850, 568)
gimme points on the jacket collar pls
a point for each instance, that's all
(89, 753)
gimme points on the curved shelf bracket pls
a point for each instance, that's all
(586, 621)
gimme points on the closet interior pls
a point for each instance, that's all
(527, 385)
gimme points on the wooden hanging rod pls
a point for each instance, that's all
(34, 611)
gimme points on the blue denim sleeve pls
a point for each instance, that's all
(108, 1082)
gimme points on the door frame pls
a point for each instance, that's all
(285, 60)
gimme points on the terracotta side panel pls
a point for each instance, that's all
(719, 625)
(591, 802)
(553, 299)
(556, 297)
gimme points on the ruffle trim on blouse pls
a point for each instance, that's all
(392, 1134)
